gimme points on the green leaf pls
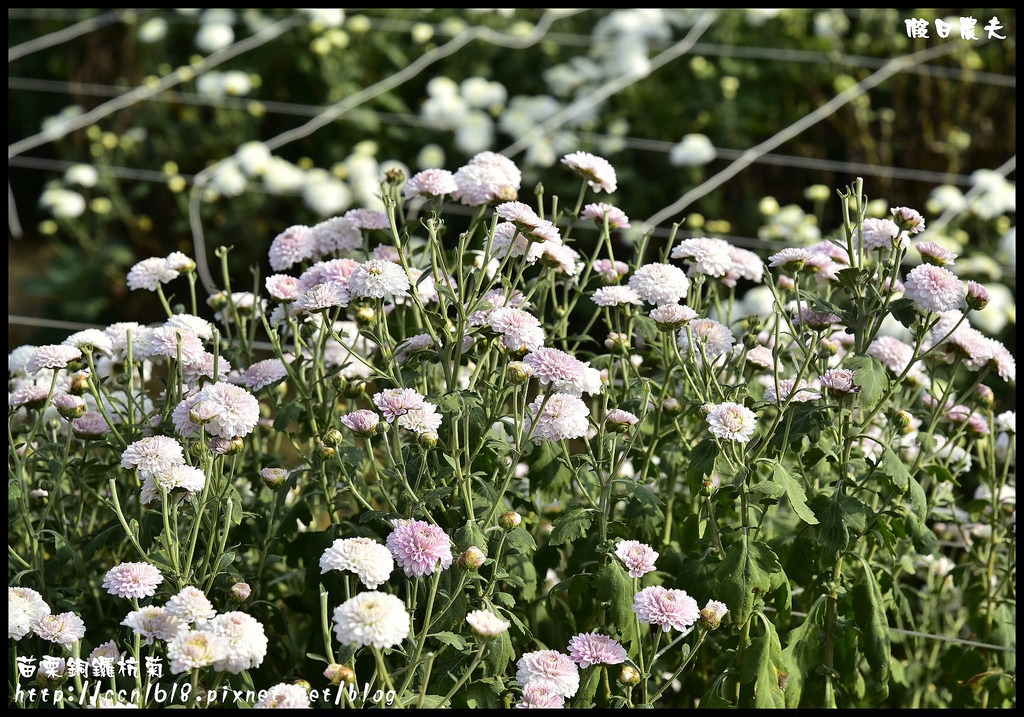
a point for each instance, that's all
(744, 575)
(450, 638)
(903, 310)
(702, 463)
(643, 495)
(571, 526)
(839, 515)
(892, 467)
(498, 654)
(615, 587)
(521, 539)
(869, 609)
(468, 536)
(762, 663)
(286, 413)
(795, 493)
(803, 654)
(918, 501)
(870, 375)
(769, 488)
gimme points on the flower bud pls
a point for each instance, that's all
(325, 451)
(753, 323)
(332, 437)
(671, 406)
(39, 494)
(785, 283)
(68, 406)
(750, 341)
(629, 676)
(977, 296)
(274, 478)
(79, 383)
(708, 488)
(903, 420)
(706, 409)
(337, 674)
(510, 520)
(54, 674)
(123, 379)
(619, 343)
(711, 616)
(428, 440)
(239, 592)
(365, 315)
(218, 302)
(985, 395)
(234, 447)
(472, 559)
(518, 372)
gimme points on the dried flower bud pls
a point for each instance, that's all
(274, 478)
(337, 674)
(239, 592)
(510, 520)
(472, 559)
(234, 447)
(629, 676)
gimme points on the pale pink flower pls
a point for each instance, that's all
(192, 606)
(520, 214)
(245, 642)
(372, 619)
(194, 649)
(292, 246)
(365, 557)
(669, 317)
(660, 283)
(804, 393)
(283, 287)
(537, 695)
(153, 455)
(488, 177)
(908, 218)
(933, 288)
(508, 239)
(133, 580)
(377, 278)
(1002, 361)
(425, 419)
(25, 607)
(564, 417)
(593, 649)
(551, 669)
(164, 342)
(616, 295)
(745, 265)
(732, 421)
(336, 270)
(706, 256)
(790, 258)
(892, 352)
(53, 357)
(420, 548)
(839, 381)
(95, 338)
(284, 696)
(970, 345)
(816, 319)
(154, 623)
(486, 624)
(236, 411)
(519, 330)
(667, 609)
(90, 425)
(184, 478)
(64, 629)
(617, 218)
(598, 171)
(712, 614)
(560, 257)
(263, 373)
(932, 253)
(194, 373)
(977, 296)
(321, 297)
(431, 183)
(761, 356)
(711, 338)
(878, 234)
(335, 236)
(362, 423)
(150, 273)
(28, 396)
(619, 417)
(610, 271)
(564, 372)
(394, 402)
(367, 219)
(636, 556)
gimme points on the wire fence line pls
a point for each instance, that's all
(59, 37)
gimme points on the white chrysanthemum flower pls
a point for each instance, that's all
(150, 273)
(245, 642)
(54, 356)
(598, 171)
(284, 696)
(551, 669)
(660, 283)
(732, 421)
(133, 580)
(99, 341)
(64, 629)
(706, 256)
(377, 278)
(365, 557)
(713, 338)
(564, 417)
(292, 246)
(372, 619)
(24, 607)
(192, 606)
(616, 295)
(195, 649)
(196, 324)
(486, 624)
(153, 455)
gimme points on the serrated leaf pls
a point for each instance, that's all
(702, 463)
(892, 467)
(918, 501)
(839, 515)
(286, 413)
(904, 311)
(769, 489)
(642, 494)
(450, 638)
(745, 574)
(521, 539)
(869, 609)
(571, 526)
(803, 654)
(795, 493)
(763, 664)
(615, 587)
(869, 374)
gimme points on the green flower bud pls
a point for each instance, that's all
(510, 520)
(472, 559)
(629, 676)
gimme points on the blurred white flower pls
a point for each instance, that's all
(693, 150)
(153, 30)
(62, 203)
(254, 158)
(228, 180)
(476, 133)
(283, 177)
(214, 36)
(84, 175)
(325, 194)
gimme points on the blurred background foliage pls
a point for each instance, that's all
(94, 201)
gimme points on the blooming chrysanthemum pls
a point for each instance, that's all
(1002, 361)
(164, 341)
(610, 271)
(431, 183)
(283, 287)
(90, 425)
(54, 356)
(910, 219)
(616, 295)
(365, 557)
(804, 393)
(24, 607)
(95, 338)
(553, 366)
(892, 352)
(970, 345)
(292, 246)
(394, 402)
(192, 606)
(706, 256)
(520, 214)
(63, 629)
(194, 649)
(732, 421)
(668, 609)
(284, 696)
(367, 219)
(593, 649)
(745, 265)
(790, 258)
(420, 548)
(761, 356)
(486, 624)
(508, 239)
(564, 259)
(194, 373)
(878, 234)
(488, 177)
(235, 411)
(245, 641)
(540, 696)
(660, 283)
(196, 324)
(564, 417)
(636, 556)
(371, 619)
(153, 454)
(519, 330)
(425, 419)
(263, 373)
(31, 396)
(598, 172)
(549, 668)
(133, 580)
(618, 417)
(184, 478)
(154, 623)
(337, 270)
(711, 338)
(105, 651)
(335, 236)
(816, 319)
(597, 212)
(932, 253)
(377, 278)
(118, 333)
(150, 273)
(839, 381)
(362, 423)
(669, 317)
(328, 295)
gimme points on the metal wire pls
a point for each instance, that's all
(61, 36)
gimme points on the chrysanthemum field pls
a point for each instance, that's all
(357, 378)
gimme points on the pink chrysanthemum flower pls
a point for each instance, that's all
(372, 619)
(292, 246)
(520, 214)
(150, 273)
(284, 696)
(283, 287)
(816, 319)
(63, 629)
(367, 219)
(153, 455)
(95, 338)
(336, 235)
(564, 259)
(365, 557)
(321, 297)
(616, 295)
(376, 278)
(598, 171)
(610, 271)
(910, 219)
(425, 419)
(164, 342)
(564, 372)
(133, 580)
(593, 649)
(892, 352)
(660, 283)
(488, 177)
(839, 381)
(732, 421)
(706, 256)
(617, 218)
(879, 234)
(182, 478)
(933, 288)
(431, 183)
(118, 335)
(970, 345)
(507, 239)
(519, 330)
(196, 324)
(192, 606)
(804, 393)
(789, 259)
(337, 270)
(154, 623)
(619, 417)
(53, 357)
(712, 614)
(245, 642)
(194, 373)
(236, 411)
(539, 696)
(90, 424)
(636, 556)
(1002, 361)
(486, 624)
(977, 296)
(362, 423)
(263, 373)
(564, 417)
(420, 548)
(549, 668)
(711, 338)
(935, 254)
(761, 356)
(670, 317)
(31, 396)
(394, 402)
(668, 609)
(745, 265)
